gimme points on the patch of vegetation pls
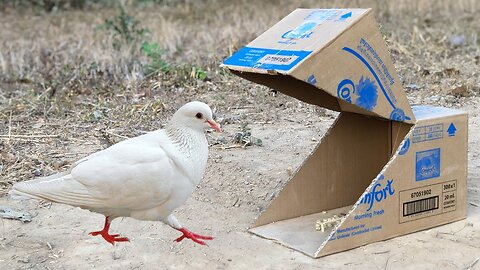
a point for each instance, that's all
(245, 138)
(199, 73)
(126, 30)
(155, 54)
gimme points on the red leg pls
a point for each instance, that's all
(190, 235)
(111, 238)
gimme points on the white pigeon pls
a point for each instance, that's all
(146, 177)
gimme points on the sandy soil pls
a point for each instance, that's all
(237, 186)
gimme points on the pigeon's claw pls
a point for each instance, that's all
(111, 238)
(193, 236)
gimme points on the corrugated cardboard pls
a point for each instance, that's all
(338, 51)
(384, 168)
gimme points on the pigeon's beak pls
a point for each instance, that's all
(214, 125)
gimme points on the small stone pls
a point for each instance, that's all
(412, 86)
(458, 40)
(24, 260)
(37, 172)
(97, 115)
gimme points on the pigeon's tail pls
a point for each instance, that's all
(59, 188)
(29, 189)
(19, 195)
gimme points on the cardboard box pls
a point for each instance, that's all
(384, 168)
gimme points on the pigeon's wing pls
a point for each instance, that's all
(134, 174)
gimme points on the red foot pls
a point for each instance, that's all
(190, 235)
(111, 238)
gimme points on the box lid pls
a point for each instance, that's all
(337, 51)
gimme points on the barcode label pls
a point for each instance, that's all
(420, 206)
(273, 59)
(427, 201)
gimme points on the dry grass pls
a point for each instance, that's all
(65, 91)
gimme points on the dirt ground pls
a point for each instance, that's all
(236, 187)
(239, 182)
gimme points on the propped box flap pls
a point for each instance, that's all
(339, 51)
(293, 39)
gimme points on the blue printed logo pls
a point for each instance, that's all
(365, 92)
(398, 115)
(366, 49)
(305, 30)
(378, 193)
(302, 31)
(427, 164)
(405, 146)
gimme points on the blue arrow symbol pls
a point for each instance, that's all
(345, 16)
(451, 130)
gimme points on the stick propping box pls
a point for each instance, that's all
(384, 168)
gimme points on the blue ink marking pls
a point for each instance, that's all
(312, 80)
(427, 164)
(427, 133)
(305, 30)
(378, 193)
(321, 15)
(398, 115)
(372, 71)
(302, 31)
(405, 147)
(367, 94)
(345, 89)
(345, 16)
(451, 130)
(290, 34)
(250, 57)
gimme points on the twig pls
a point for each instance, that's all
(230, 146)
(71, 154)
(474, 204)
(243, 107)
(386, 263)
(381, 252)
(472, 264)
(114, 134)
(291, 120)
(26, 136)
(235, 203)
(9, 127)
(23, 140)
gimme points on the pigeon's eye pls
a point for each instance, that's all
(199, 115)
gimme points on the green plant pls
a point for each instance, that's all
(198, 73)
(155, 55)
(126, 29)
(245, 138)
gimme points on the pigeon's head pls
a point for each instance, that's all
(195, 115)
